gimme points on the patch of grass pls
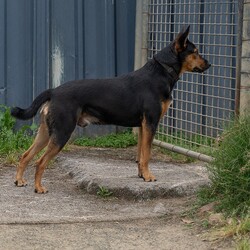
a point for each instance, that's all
(104, 192)
(120, 140)
(12, 142)
(230, 183)
(11, 158)
(230, 171)
(237, 229)
(243, 244)
(204, 197)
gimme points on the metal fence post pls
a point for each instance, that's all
(245, 61)
(141, 39)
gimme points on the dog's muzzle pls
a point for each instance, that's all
(202, 69)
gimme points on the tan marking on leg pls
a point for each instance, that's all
(39, 143)
(51, 151)
(146, 143)
(165, 106)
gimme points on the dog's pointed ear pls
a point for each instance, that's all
(181, 39)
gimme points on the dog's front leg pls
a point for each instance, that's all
(138, 158)
(147, 134)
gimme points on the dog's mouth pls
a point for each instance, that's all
(201, 70)
(198, 70)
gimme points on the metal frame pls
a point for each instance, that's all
(203, 104)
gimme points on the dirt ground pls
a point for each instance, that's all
(69, 218)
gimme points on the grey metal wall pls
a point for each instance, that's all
(44, 43)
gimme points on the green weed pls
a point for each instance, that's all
(6, 120)
(104, 192)
(120, 140)
(238, 229)
(243, 244)
(12, 141)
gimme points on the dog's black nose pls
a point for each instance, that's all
(207, 64)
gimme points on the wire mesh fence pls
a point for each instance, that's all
(203, 103)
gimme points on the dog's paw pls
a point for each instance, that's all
(41, 190)
(149, 177)
(140, 173)
(21, 183)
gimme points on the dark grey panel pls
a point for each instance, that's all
(3, 83)
(125, 33)
(99, 38)
(19, 53)
(47, 42)
(41, 46)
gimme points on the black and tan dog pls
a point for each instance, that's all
(138, 99)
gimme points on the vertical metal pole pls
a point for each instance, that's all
(141, 33)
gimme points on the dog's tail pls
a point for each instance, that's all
(25, 114)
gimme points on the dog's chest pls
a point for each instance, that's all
(165, 106)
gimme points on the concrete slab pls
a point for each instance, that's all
(119, 175)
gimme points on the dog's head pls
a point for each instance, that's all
(182, 55)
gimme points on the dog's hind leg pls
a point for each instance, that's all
(146, 144)
(52, 150)
(61, 132)
(39, 143)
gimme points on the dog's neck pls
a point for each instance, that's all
(169, 61)
(170, 70)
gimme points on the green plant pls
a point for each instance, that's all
(243, 244)
(238, 229)
(205, 224)
(12, 141)
(6, 120)
(230, 171)
(120, 140)
(104, 192)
